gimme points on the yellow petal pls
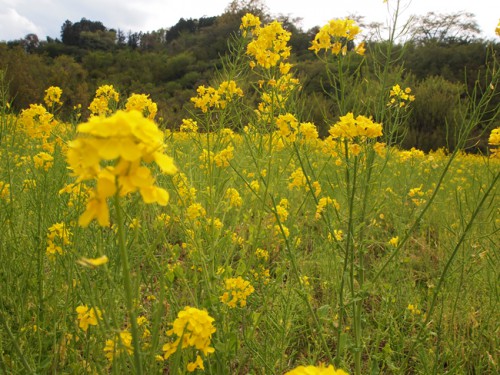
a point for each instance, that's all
(165, 162)
(93, 262)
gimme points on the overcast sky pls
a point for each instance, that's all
(45, 17)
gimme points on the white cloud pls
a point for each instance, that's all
(15, 26)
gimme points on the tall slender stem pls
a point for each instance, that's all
(127, 284)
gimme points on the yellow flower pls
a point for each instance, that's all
(262, 254)
(497, 29)
(120, 344)
(494, 141)
(414, 310)
(416, 192)
(37, 122)
(128, 139)
(399, 97)
(195, 328)
(335, 35)
(209, 97)
(309, 131)
(142, 103)
(194, 211)
(249, 21)
(394, 241)
(189, 125)
(237, 290)
(42, 160)
(379, 148)
(339, 234)
(93, 262)
(58, 236)
(53, 96)
(298, 179)
(4, 190)
(97, 208)
(234, 197)
(282, 210)
(88, 316)
(105, 96)
(323, 203)
(198, 363)
(223, 157)
(359, 127)
(360, 49)
(316, 370)
(269, 45)
(287, 126)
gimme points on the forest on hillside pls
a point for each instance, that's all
(442, 62)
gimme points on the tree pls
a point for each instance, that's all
(458, 27)
(31, 43)
(120, 38)
(71, 32)
(256, 7)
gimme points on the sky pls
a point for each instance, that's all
(45, 17)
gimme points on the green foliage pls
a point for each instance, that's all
(437, 114)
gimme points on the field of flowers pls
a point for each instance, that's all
(243, 243)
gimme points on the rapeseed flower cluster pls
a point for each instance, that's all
(143, 104)
(105, 101)
(399, 97)
(117, 346)
(394, 241)
(262, 254)
(269, 43)
(76, 193)
(494, 141)
(189, 125)
(58, 237)
(37, 122)
(298, 179)
(497, 29)
(128, 139)
(193, 328)
(43, 160)
(415, 194)
(195, 211)
(53, 96)
(335, 36)
(282, 210)
(351, 128)
(413, 309)
(323, 203)
(234, 197)
(316, 370)
(223, 157)
(88, 316)
(288, 126)
(249, 21)
(237, 291)
(210, 97)
(185, 192)
(308, 131)
(4, 190)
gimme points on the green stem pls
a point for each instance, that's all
(127, 284)
(449, 262)
(351, 255)
(17, 349)
(303, 293)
